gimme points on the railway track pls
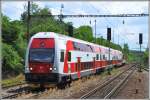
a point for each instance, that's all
(22, 90)
(10, 86)
(13, 92)
(111, 87)
(146, 69)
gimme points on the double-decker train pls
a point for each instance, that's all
(53, 58)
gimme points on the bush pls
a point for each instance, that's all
(11, 61)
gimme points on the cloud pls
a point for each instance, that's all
(55, 11)
(13, 9)
(118, 7)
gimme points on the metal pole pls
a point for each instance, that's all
(140, 60)
(113, 35)
(109, 62)
(95, 30)
(61, 10)
(118, 38)
(28, 22)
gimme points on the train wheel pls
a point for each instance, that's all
(61, 85)
(42, 86)
(69, 82)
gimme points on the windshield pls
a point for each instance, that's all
(41, 55)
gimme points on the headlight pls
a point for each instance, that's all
(31, 68)
(54, 68)
(50, 68)
(27, 68)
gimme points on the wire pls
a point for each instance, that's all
(99, 12)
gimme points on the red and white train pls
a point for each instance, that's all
(53, 58)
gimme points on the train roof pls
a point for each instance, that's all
(53, 34)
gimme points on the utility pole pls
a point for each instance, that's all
(118, 38)
(61, 12)
(101, 40)
(95, 30)
(61, 17)
(28, 22)
(113, 35)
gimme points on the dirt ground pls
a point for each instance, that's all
(136, 88)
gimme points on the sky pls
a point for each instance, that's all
(121, 33)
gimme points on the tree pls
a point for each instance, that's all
(43, 23)
(84, 33)
(11, 33)
(146, 57)
(126, 50)
(11, 60)
(10, 30)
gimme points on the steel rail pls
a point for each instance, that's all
(19, 91)
(104, 84)
(146, 69)
(5, 86)
(118, 86)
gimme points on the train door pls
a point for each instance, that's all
(61, 52)
(94, 65)
(62, 56)
(78, 66)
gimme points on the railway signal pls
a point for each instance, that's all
(140, 38)
(109, 39)
(70, 30)
(140, 42)
(108, 34)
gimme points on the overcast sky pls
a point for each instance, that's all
(127, 32)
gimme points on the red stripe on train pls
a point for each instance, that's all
(69, 46)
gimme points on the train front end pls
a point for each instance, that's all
(40, 56)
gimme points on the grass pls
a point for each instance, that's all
(13, 81)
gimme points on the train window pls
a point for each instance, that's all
(41, 55)
(82, 47)
(97, 57)
(69, 56)
(100, 57)
(87, 55)
(103, 57)
(62, 56)
(113, 58)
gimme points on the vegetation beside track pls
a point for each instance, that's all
(13, 81)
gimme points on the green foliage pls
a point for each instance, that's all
(126, 51)
(131, 57)
(10, 30)
(104, 42)
(146, 57)
(84, 33)
(14, 46)
(43, 23)
(11, 59)
(13, 81)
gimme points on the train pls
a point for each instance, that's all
(53, 58)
